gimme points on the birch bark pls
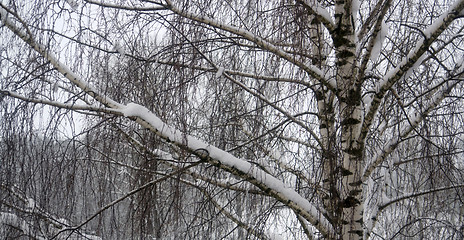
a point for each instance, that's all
(349, 222)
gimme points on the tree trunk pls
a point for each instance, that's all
(349, 223)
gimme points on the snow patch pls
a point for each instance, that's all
(379, 41)
(163, 154)
(367, 100)
(319, 10)
(355, 4)
(219, 72)
(134, 110)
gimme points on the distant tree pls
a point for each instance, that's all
(232, 119)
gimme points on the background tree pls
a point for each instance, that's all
(231, 119)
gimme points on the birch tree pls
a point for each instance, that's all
(309, 119)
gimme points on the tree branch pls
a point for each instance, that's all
(415, 120)
(175, 173)
(74, 107)
(319, 13)
(432, 33)
(383, 205)
(310, 69)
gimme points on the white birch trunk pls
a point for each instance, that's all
(350, 111)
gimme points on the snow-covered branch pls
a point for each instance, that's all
(62, 68)
(313, 71)
(221, 72)
(374, 44)
(320, 13)
(167, 159)
(408, 63)
(224, 160)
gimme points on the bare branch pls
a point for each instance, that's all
(384, 205)
(75, 107)
(311, 70)
(415, 120)
(129, 8)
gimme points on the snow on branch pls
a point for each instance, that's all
(232, 164)
(168, 160)
(219, 72)
(320, 13)
(378, 42)
(62, 68)
(224, 160)
(312, 70)
(410, 61)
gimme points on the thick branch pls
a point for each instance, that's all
(372, 40)
(63, 69)
(238, 167)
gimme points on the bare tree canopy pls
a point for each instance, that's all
(227, 119)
